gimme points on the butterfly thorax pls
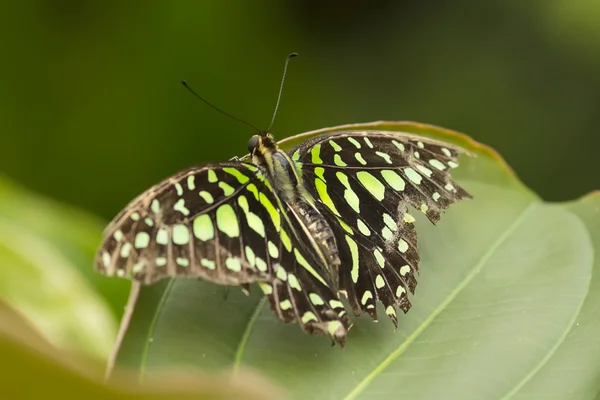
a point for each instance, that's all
(286, 181)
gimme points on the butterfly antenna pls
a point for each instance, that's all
(287, 60)
(185, 84)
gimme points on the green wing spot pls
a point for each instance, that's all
(413, 175)
(316, 155)
(349, 194)
(241, 178)
(393, 179)
(385, 156)
(336, 147)
(390, 222)
(273, 213)
(405, 269)
(354, 253)
(203, 228)
(233, 264)
(308, 316)
(180, 206)
(162, 237)
(261, 265)
(285, 305)
(179, 189)
(227, 221)
(437, 164)
(293, 282)
(273, 250)
(181, 234)
(253, 189)
(360, 158)
(266, 288)
(280, 273)
(212, 176)
(345, 226)
(336, 304)
(285, 239)
(426, 171)
(363, 228)
(354, 142)
(337, 160)
(227, 189)
(302, 261)
(250, 256)
(402, 246)
(372, 184)
(379, 258)
(367, 295)
(315, 299)
(191, 182)
(324, 196)
(399, 145)
(253, 220)
(142, 240)
(208, 198)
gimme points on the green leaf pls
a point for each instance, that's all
(502, 305)
(46, 254)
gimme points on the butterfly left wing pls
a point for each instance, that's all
(194, 223)
(363, 182)
(225, 224)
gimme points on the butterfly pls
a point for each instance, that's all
(332, 216)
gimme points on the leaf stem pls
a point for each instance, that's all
(125, 320)
(246, 336)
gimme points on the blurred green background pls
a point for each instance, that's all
(93, 113)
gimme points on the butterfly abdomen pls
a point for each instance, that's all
(322, 234)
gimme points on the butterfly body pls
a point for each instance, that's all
(331, 216)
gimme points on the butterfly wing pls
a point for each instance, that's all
(364, 182)
(187, 225)
(224, 223)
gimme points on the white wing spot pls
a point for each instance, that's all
(160, 261)
(126, 250)
(181, 261)
(179, 189)
(155, 206)
(437, 164)
(162, 237)
(354, 142)
(402, 246)
(191, 182)
(142, 239)
(180, 206)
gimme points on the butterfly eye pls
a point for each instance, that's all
(253, 143)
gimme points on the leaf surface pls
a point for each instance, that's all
(503, 294)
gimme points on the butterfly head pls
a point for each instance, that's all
(261, 143)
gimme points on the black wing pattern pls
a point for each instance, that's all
(363, 182)
(224, 223)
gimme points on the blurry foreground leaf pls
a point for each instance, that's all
(502, 308)
(32, 369)
(46, 253)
